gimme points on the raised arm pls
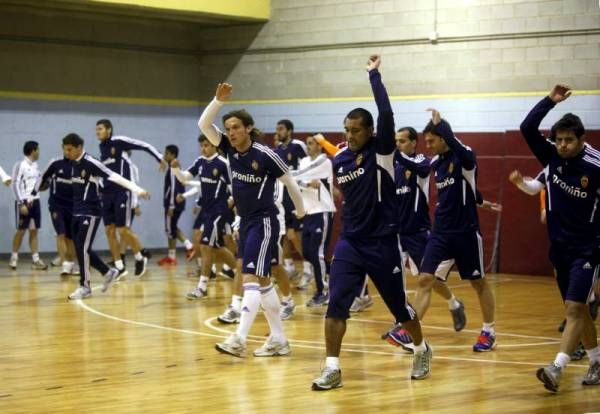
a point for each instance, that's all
(385, 141)
(542, 148)
(464, 153)
(419, 163)
(137, 144)
(207, 119)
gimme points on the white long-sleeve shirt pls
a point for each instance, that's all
(316, 200)
(4, 177)
(25, 175)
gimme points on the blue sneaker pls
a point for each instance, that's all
(485, 343)
(400, 337)
(319, 299)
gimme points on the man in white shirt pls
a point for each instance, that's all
(27, 205)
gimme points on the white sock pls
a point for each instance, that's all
(453, 303)
(489, 327)
(187, 244)
(593, 354)
(270, 303)
(203, 282)
(287, 299)
(307, 267)
(214, 268)
(236, 302)
(332, 362)
(562, 360)
(225, 267)
(171, 254)
(35, 257)
(119, 264)
(250, 303)
(419, 349)
(14, 256)
(138, 256)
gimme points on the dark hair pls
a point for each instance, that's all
(412, 133)
(72, 139)
(107, 124)
(569, 122)
(286, 123)
(362, 114)
(172, 149)
(430, 128)
(29, 147)
(246, 119)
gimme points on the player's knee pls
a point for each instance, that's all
(426, 281)
(110, 231)
(575, 310)
(479, 285)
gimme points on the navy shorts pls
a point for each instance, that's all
(576, 275)
(277, 250)
(62, 220)
(291, 221)
(32, 220)
(258, 238)
(413, 247)
(381, 260)
(465, 248)
(212, 228)
(171, 222)
(116, 209)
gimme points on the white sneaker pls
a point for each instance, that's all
(13, 263)
(110, 277)
(272, 347)
(305, 281)
(56, 261)
(230, 316)
(361, 303)
(196, 293)
(81, 292)
(233, 345)
(287, 310)
(66, 269)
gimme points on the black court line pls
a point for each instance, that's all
(5, 395)
(171, 366)
(54, 388)
(137, 373)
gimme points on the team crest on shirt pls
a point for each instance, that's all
(450, 168)
(407, 174)
(255, 165)
(113, 151)
(585, 181)
(54, 215)
(82, 173)
(215, 172)
(359, 159)
(289, 156)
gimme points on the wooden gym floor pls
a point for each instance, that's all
(143, 347)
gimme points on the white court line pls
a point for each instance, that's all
(80, 303)
(209, 324)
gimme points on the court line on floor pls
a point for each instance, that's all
(208, 323)
(81, 304)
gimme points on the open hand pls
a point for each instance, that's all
(224, 91)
